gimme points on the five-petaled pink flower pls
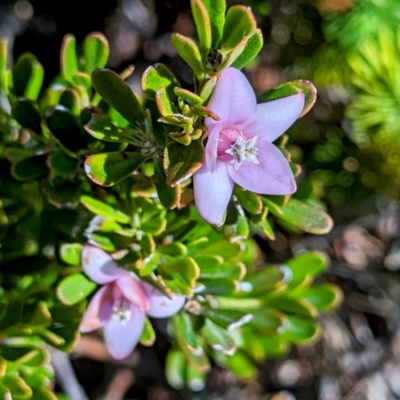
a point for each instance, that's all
(121, 305)
(239, 148)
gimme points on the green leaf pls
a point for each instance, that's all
(27, 77)
(30, 169)
(148, 336)
(188, 50)
(70, 253)
(70, 99)
(191, 98)
(240, 22)
(119, 95)
(250, 201)
(323, 297)
(208, 89)
(41, 315)
(234, 54)
(104, 210)
(108, 169)
(305, 217)
(289, 89)
(184, 269)
(241, 366)
(156, 77)
(164, 104)
(195, 379)
(96, 51)
(218, 287)
(68, 58)
(299, 330)
(227, 319)
(183, 161)
(27, 114)
(17, 387)
(64, 126)
(292, 306)
(175, 367)
(307, 264)
(61, 164)
(169, 196)
(264, 280)
(251, 50)
(218, 338)
(183, 325)
(74, 288)
(216, 12)
(62, 193)
(203, 25)
(101, 127)
(266, 320)
(237, 231)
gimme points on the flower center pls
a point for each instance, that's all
(233, 145)
(121, 311)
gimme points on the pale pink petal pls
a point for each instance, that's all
(233, 100)
(212, 191)
(133, 291)
(98, 311)
(275, 117)
(160, 305)
(212, 145)
(122, 337)
(271, 176)
(99, 265)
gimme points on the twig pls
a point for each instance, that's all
(66, 375)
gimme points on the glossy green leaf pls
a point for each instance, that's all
(26, 113)
(227, 319)
(307, 264)
(68, 58)
(169, 196)
(105, 210)
(195, 379)
(62, 193)
(237, 231)
(208, 89)
(289, 89)
(96, 51)
(307, 218)
(157, 76)
(183, 161)
(17, 387)
(266, 319)
(175, 368)
(218, 338)
(264, 280)
(102, 128)
(164, 104)
(148, 336)
(74, 288)
(119, 95)
(70, 253)
(299, 330)
(239, 23)
(61, 164)
(64, 126)
(191, 98)
(241, 366)
(217, 286)
(250, 51)
(108, 169)
(323, 297)
(30, 169)
(267, 229)
(292, 305)
(216, 12)
(183, 324)
(27, 77)
(189, 51)
(250, 201)
(41, 315)
(70, 99)
(203, 25)
(184, 268)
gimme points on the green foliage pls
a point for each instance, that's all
(86, 160)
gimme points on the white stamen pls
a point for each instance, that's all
(244, 150)
(121, 311)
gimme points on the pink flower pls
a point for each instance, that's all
(121, 305)
(239, 148)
